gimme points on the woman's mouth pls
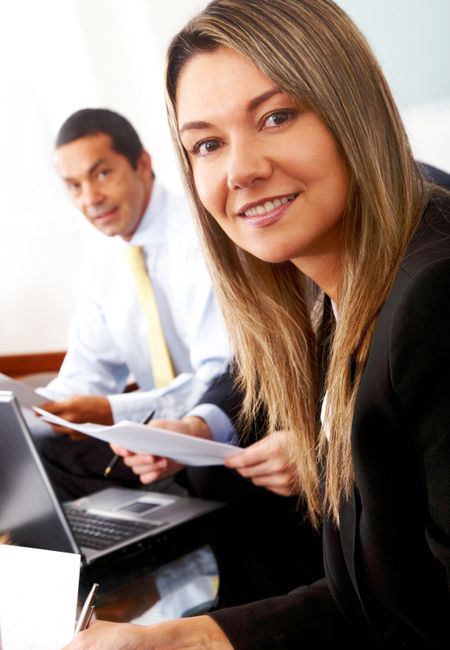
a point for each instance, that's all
(267, 212)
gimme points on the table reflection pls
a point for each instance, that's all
(188, 585)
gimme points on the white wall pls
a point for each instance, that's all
(45, 72)
(57, 56)
(411, 41)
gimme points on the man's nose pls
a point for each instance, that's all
(90, 196)
(247, 165)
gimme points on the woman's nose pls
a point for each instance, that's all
(247, 165)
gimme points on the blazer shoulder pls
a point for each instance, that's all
(431, 241)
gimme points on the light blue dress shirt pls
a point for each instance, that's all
(108, 341)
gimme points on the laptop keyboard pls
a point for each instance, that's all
(99, 531)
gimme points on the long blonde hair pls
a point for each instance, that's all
(316, 55)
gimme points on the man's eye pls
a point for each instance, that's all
(205, 147)
(278, 118)
(104, 173)
(73, 187)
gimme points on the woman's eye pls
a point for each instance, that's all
(278, 118)
(205, 147)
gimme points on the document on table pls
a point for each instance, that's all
(38, 598)
(26, 396)
(151, 440)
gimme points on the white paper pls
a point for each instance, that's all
(38, 598)
(26, 396)
(150, 440)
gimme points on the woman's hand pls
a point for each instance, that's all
(101, 635)
(181, 634)
(267, 463)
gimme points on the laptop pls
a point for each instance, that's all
(107, 525)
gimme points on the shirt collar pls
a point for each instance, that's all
(152, 226)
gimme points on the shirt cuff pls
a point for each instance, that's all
(135, 406)
(219, 423)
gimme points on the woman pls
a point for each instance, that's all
(331, 257)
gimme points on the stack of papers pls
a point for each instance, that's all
(38, 598)
(143, 439)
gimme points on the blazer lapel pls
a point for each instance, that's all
(347, 530)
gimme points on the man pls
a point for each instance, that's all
(109, 177)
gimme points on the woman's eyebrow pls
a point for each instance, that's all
(194, 126)
(260, 99)
(253, 103)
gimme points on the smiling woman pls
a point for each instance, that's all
(344, 194)
(329, 142)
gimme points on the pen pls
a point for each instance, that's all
(88, 610)
(115, 458)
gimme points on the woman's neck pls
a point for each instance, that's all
(323, 270)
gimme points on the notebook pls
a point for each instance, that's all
(105, 525)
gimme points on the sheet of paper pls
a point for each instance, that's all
(26, 396)
(150, 440)
(38, 598)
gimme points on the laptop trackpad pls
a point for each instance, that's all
(139, 507)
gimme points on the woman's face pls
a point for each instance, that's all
(268, 171)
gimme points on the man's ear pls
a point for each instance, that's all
(145, 163)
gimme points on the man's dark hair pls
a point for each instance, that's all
(92, 121)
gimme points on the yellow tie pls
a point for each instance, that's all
(162, 366)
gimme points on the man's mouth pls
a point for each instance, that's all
(105, 214)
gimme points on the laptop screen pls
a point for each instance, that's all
(29, 510)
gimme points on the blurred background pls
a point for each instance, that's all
(57, 56)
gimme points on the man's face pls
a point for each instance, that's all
(104, 186)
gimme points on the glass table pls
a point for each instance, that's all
(144, 595)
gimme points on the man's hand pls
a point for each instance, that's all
(151, 468)
(267, 463)
(81, 408)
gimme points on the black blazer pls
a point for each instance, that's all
(387, 567)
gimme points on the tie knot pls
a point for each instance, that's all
(135, 256)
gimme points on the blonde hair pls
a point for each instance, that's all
(316, 55)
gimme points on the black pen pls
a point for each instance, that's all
(115, 458)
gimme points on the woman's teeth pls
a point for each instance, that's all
(268, 206)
